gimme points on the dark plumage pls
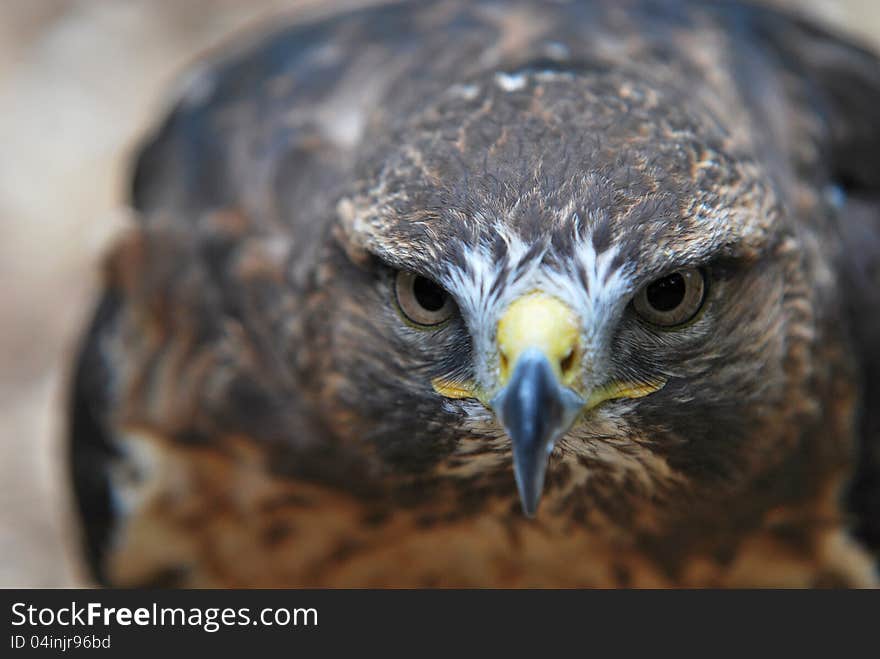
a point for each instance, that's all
(646, 235)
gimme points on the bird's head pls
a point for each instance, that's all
(581, 271)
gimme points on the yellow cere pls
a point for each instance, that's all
(538, 320)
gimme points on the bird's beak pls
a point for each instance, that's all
(538, 346)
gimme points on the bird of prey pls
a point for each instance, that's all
(494, 293)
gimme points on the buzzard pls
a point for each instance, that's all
(497, 293)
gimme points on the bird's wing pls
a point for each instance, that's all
(283, 109)
(844, 88)
(843, 84)
(91, 447)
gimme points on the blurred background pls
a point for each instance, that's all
(80, 82)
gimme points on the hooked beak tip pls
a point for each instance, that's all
(529, 499)
(535, 410)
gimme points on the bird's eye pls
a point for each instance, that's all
(421, 300)
(673, 299)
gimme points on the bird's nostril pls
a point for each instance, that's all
(567, 362)
(502, 361)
